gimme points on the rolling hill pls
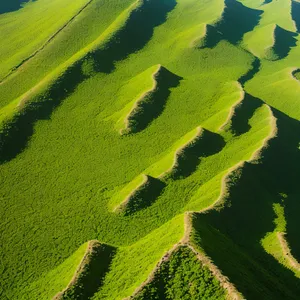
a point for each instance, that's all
(149, 149)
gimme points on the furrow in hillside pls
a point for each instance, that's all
(138, 196)
(17, 118)
(181, 152)
(159, 278)
(233, 108)
(90, 272)
(237, 228)
(151, 103)
(255, 67)
(281, 176)
(275, 242)
(232, 292)
(283, 41)
(51, 38)
(233, 173)
(178, 163)
(210, 37)
(138, 103)
(239, 123)
(180, 264)
(235, 22)
(228, 180)
(142, 196)
(153, 273)
(144, 189)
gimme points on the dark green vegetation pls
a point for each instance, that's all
(8, 6)
(182, 277)
(153, 127)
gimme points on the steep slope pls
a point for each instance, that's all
(149, 149)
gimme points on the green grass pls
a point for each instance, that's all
(57, 278)
(65, 167)
(183, 277)
(27, 30)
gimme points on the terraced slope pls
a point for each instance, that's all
(149, 149)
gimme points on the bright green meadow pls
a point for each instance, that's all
(149, 149)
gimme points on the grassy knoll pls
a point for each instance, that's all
(118, 117)
(274, 36)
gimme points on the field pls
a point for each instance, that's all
(149, 149)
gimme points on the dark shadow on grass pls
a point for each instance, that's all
(134, 36)
(282, 164)
(296, 74)
(232, 236)
(243, 113)
(255, 67)
(210, 143)
(211, 39)
(284, 41)
(91, 278)
(12, 5)
(15, 136)
(267, 2)
(237, 20)
(144, 196)
(296, 14)
(153, 104)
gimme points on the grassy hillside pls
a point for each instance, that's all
(149, 149)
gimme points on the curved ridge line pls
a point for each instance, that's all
(52, 37)
(232, 292)
(286, 251)
(256, 155)
(213, 23)
(151, 276)
(84, 261)
(234, 106)
(177, 154)
(224, 281)
(185, 241)
(231, 289)
(132, 193)
(180, 150)
(199, 38)
(270, 47)
(141, 98)
(163, 259)
(273, 133)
